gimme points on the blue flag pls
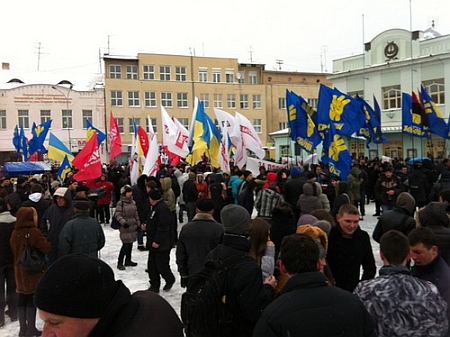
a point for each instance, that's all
(16, 139)
(378, 138)
(335, 153)
(91, 130)
(36, 144)
(64, 168)
(339, 109)
(23, 144)
(372, 130)
(303, 130)
(436, 122)
(411, 122)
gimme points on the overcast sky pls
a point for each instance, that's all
(305, 35)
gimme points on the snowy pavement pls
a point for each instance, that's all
(135, 278)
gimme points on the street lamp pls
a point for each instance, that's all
(66, 95)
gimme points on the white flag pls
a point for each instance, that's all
(249, 136)
(151, 164)
(175, 137)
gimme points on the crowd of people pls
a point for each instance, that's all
(304, 256)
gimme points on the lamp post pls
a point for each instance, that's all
(66, 96)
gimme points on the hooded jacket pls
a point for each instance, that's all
(54, 219)
(127, 213)
(37, 201)
(168, 194)
(308, 201)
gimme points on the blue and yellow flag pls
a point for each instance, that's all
(16, 139)
(36, 144)
(302, 128)
(91, 130)
(339, 109)
(378, 137)
(436, 122)
(411, 120)
(57, 150)
(64, 168)
(335, 153)
(23, 145)
(372, 129)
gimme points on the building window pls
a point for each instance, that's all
(154, 125)
(184, 122)
(115, 71)
(282, 125)
(150, 99)
(2, 119)
(203, 75)
(116, 98)
(87, 116)
(67, 119)
(137, 121)
(252, 77)
(182, 100)
(164, 73)
(436, 90)
(133, 98)
(45, 116)
(282, 103)
(313, 102)
(257, 125)
(180, 74)
(353, 94)
(24, 119)
(244, 101)
(229, 75)
(256, 101)
(241, 77)
(231, 101)
(166, 99)
(149, 72)
(216, 75)
(218, 101)
(120, 125)
(205, 99)
(132, 72)
(392, 97)
(285, 150)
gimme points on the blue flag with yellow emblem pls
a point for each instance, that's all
(90, 130)
(64, 168)
(340, 110)
(412, 120)
(23, 145)
(436, 122)
(36, 144)
(302, 128)
(379, 138)
(335, 154)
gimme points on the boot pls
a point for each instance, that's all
(120, 266)
(130, 264)
(31, 320)
(22, 320)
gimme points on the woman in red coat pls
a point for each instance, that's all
(26, 281)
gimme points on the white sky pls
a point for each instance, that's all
(304, 34)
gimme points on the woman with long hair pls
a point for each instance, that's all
(26, 231)
(262, 249)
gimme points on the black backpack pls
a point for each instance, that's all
(204, 310)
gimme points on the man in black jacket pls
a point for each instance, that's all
(308, 306)
(159, 243)
(190, 195)
(79, 297)
(197, 238)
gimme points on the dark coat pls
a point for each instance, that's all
(197, 238)
(40, 206)
(141, 199)
(127, 213)
(81, 235)
(443, 236)
(7, 222)
(245, 293)
(282, 224)
(346, 256)
(398, 219)
(442, 184)
(158, 227)
(383, 185)
(138, 314)
(308, 306)
(26, 281)
(190, 193)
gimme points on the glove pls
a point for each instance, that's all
(184, 281)
(126, 226)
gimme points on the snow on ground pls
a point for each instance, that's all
(135, 278)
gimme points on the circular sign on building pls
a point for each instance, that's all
(391, 50)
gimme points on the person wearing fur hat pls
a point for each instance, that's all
(127, 215)
(78, 296)
(399, 218)
(246, 293)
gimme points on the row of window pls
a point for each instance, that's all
(167, 99)
(165, 74)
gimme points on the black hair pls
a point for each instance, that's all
(299, 253)
(395, 247)
(422, 235)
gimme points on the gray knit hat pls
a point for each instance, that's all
(235, 219)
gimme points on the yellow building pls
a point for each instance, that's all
(138, 86)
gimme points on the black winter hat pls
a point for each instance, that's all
(77, 286)
(205, 205)
(155, 194)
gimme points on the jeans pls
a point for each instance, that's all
(190, 210)
(8, 297)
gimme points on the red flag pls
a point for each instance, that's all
(115, 140)
(88, 162)
(143, 140)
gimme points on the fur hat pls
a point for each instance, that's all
(433, 214)
(315, 233)
(205, 205)
(77, 286)
(406, 201)
(125, 189)
(235, 219)
(155, 194)
(81, 204)
(82, 188)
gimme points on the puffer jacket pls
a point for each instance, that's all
(127, 213)
(354, 184)
(308, 201)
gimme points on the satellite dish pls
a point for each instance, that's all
(238, 76)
